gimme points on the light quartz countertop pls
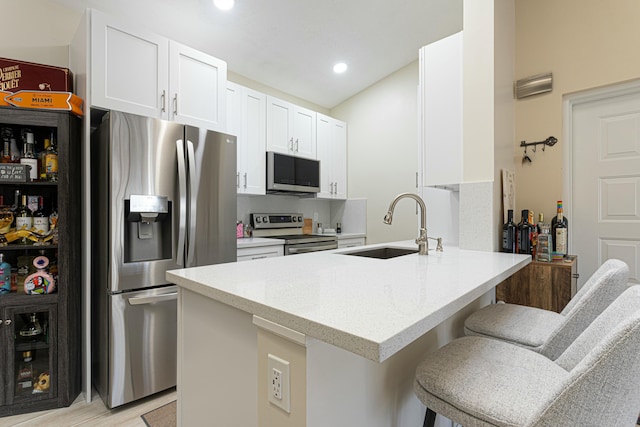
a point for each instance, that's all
(370, 307)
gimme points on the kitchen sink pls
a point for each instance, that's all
(383, 253)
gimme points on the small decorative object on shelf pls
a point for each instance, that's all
(31, 330)
(40, 282)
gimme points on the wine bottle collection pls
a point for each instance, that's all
(544, 241)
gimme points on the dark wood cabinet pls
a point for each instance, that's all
(54, 354)
(547, 285)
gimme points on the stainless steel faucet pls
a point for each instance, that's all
(423, 246)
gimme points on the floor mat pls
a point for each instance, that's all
(164, 416)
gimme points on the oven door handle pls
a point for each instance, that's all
(311, 249)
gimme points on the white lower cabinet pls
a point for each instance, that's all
(351, 242)
(247, 254)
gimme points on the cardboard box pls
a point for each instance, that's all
(21, 75)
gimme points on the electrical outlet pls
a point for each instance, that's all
(278, 382)
(315, 216)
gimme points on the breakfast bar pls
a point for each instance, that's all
(343, 332)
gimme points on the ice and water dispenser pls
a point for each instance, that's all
(147, 231)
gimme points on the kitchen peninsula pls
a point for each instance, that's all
(346, 331)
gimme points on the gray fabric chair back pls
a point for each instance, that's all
(604, 365)
(602, 288)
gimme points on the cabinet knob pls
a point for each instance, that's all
(175, 104)
(245, 180)
(164, 100)
(7, 322)
(291, 144)
(297, 143)
(575, 275)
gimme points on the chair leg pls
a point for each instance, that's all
(429, 418)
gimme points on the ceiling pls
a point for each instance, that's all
(292, 45)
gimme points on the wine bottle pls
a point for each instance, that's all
(51, 161)
(524, 234)
(509, 234)
(40, 220)
(6, 134)
(28, 158)
(24, 218)
(42, 164)
(533, 234)
(560, 231)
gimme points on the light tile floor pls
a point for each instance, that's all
(94, 414)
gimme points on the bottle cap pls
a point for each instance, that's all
(41, 261)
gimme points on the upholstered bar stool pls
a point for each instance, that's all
(548, 332)
(478, 381)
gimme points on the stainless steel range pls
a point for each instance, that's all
(289, 228)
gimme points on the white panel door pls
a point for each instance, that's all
(324, 145)
(304, 132)
(129, 68)
(279, 126)
(254, 110)
(606, 183)
(441, 110)
(234, 126)
(197, 88)
(339, 160)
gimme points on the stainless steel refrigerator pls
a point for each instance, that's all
(163, 197)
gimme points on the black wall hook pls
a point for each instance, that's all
(551, 141)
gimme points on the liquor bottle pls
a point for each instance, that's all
(28, 158)
(560, 231)
(51, 161)
(6, 134)
(53, 224)
(5, 276)
(24, 219)
(40, 220)
(533, 234)
(524, 234)
(15, 151)
(543, 252)
(540, 221)
(42, 165)
(509, 230)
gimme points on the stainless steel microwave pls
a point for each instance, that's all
(290, 174)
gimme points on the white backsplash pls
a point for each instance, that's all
(351, 213)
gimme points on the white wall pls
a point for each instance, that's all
(586, 44)
(382, 135)
(37, 31)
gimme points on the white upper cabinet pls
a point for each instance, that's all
(332, 153)
(246, 118)
(129, 69)
(136, 71)
(440, 100)
(291, 129)
(197, 84)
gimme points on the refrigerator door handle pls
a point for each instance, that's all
(182, 191)
(191, 156)
(152, 299)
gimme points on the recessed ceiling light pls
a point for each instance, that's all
(340, 68)
(223, 4)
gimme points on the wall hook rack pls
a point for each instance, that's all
(551, 141)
